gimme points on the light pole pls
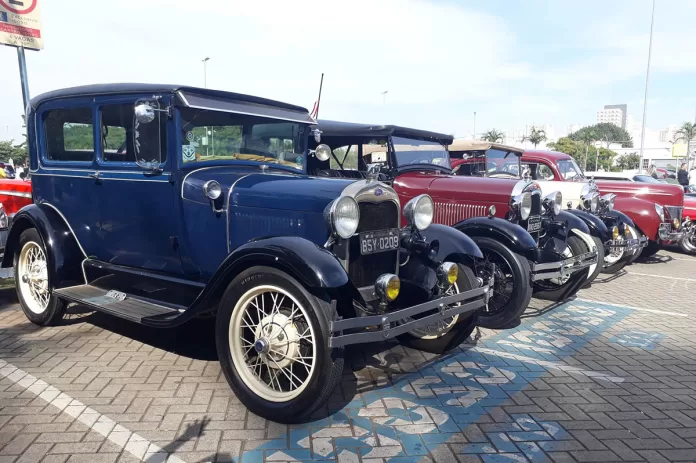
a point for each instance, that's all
(474, 125)
(205, 85)
(384, 96)
(645, 98)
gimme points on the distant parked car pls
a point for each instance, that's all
(7, 170)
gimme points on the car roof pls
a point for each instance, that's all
(551, 155)
(121, 88)
(461, 144)
(348, 129)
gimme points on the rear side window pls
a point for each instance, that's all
(69, 134)
(117, 133)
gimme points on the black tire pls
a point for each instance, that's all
(600, 259)
(55, 308)
(329, 362)
(501, 311)
(458, 333)
(549, 291)
(688, 244)
(650, 250)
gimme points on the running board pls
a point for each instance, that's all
(115, 303)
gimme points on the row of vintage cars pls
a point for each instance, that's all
(298, 236)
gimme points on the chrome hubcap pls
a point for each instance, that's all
(33, 272)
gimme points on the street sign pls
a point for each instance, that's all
(20, 24)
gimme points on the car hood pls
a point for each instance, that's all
(569, 190)
(663, 193)
(459, 188)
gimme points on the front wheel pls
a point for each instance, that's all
(272, 340)
(451, 332)
(616, 260)
(650, 250)
(32, 281)
(688, 243)
(560, 288)
(512, 290)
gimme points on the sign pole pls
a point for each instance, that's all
(23, 76)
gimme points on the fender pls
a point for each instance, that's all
(642, 213)
(64, 254)
(597, 227)
(452, 243)
(511, 235)
(574, 222)
(619, 218)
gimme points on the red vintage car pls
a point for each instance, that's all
(528, 242)
(655, 208)
(14, 195)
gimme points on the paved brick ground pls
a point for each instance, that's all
(594, 379)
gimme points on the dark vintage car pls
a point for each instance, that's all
(656, 209)
(609, 228)
(158, 203)
(520, 233)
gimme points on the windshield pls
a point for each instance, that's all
(413, 151)
(645, 179)
(570, 170)
(211, 135)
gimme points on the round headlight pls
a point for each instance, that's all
(615, 232)
(344, 216)
(660, 212)
(554, 202)
(387, 287)
(607, 201)
(676, 224)
(212, 189)
(447, 273)
(525, 202)
(627, 231)
(419, 212)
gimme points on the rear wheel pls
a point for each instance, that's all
(512, 289)
(449, 333)
(560, 288)
(32, 281)
(272, 340)
(651, 249)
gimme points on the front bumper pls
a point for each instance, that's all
(391, 324)
(564, 267)
(667, 232)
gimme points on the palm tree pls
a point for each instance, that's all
(535, 136)
(493, 136)
(686, 134)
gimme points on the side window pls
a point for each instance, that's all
(69, 134)
(116, 133)
(544, 172)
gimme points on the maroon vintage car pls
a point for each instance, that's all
(655, 208)
(526, 239)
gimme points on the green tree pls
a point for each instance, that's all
(604, 132)
(493, 136)
(8, 150)
(628, 162)
(602, 158)
(536, 136)
(686, 133)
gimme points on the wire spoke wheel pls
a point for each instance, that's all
(33, 277)
(503, 283)
(272, 342)
(615, 255)
(441, 327)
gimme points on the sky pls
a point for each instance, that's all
(514, 63)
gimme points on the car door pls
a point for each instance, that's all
(138, 223)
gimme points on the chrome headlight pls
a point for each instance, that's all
(212, 189)
(607, 201)
(590, 201)
(4, 221)
(343, 217)
(387, 287)
(419, 212)
(660, 212)
(554, 202)
(447, 273)
(522, 205)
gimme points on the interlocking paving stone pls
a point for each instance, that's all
(586, 381)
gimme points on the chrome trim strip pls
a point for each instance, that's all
(101, 178)
(227, 211)
(15, 193)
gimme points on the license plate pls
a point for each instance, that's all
(379, 241)
(534, 224)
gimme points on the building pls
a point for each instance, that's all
(667, 135)
(613, 114)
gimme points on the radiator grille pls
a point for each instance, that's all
(364, 270)
(536, 212)
(675, 212)
(451, 213)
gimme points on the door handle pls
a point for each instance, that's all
(96, 175)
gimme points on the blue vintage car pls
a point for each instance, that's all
(158, 203)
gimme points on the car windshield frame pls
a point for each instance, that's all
(250, 140)
(398, 140)
(560, 165)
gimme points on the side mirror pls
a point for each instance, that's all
(144, 113)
